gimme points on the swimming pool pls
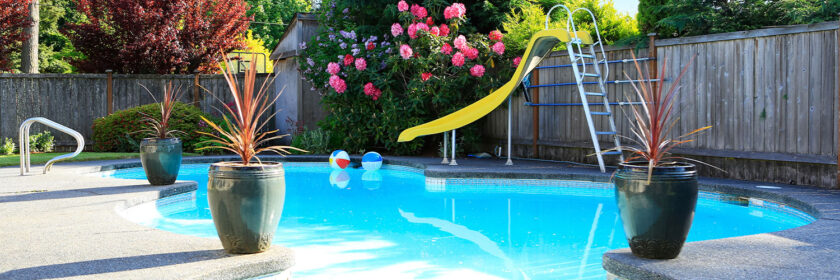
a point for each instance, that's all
(397, 224)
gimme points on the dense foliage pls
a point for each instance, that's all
(13, 18)
(121, 131)
(521, 24)
(179, 36)
(43, 142)
(418, 68)
(7, 147)
(672, 18)
(271, 18)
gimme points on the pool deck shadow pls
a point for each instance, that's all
(67, 224)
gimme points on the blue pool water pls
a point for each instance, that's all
(396, 224)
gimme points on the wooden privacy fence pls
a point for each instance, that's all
(75, 100)
(771, 96)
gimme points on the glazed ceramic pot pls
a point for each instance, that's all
(246, 203)
(656, 213)
(161, 159)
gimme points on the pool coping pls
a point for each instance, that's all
(806, 252)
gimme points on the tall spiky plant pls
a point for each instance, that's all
(243, 136)
(160, 128)
(652, 123)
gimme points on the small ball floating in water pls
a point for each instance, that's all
(372, 161)
(339, 159)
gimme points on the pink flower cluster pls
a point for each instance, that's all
(516, 61)
(461, 43)
(458, 59)
(396, 29)
(477, 70)
(456, 10)
(402, 6)
(446, 48)
(333, 68)
(418, 11)
(498, 48)
(471, 53)
(348, 60)
(425, 76)
(338, 84)
(372, 91)
(405, 51)
(361, 64)
(495, 35)
(412, 29)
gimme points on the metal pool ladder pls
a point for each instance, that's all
(24, 143)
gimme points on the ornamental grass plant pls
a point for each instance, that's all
(243, 132)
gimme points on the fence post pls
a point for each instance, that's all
(110, 89)
(196, 92)
(535, 80)
(652, 56)
(837, 138)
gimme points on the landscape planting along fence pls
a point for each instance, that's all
(770, 95)
(75, 100)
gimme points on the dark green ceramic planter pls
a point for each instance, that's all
(246, 203)
(656, 214)
(161, 159)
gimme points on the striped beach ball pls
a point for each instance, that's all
(371, 161)
(339, 159)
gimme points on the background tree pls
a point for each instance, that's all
(521, 24)
(179, 36)
(271, 18)
(673, 18)
(14, 16)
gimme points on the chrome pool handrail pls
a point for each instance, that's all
(24, 143)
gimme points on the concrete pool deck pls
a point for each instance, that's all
(66, 224)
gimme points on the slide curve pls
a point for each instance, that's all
(538, 48)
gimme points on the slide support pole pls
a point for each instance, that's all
(509, 130)
(445, 160)
(453, 162)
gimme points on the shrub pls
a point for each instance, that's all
(413, 72)
(8, 147)
(42, 142)
(316, 141)
(119, 132)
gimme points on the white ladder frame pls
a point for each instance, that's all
(580, 74)
(23, 136)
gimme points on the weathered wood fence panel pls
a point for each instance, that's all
(76, 100)
(770, 95)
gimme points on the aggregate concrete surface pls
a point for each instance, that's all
(65, 224)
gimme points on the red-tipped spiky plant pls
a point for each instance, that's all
(652, 123)
(160, 128)
(243, 136)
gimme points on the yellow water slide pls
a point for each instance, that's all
(538, 48)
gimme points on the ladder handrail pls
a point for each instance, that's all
(599, 42)
(569, 23)
(24, 143)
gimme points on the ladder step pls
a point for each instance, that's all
(605, 132)
(611, 153)
(594, 93)
(600, 113)
(591, 75)
(585, 55)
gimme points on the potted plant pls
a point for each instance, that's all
(656, 192)
(246, 197)
(160, 153)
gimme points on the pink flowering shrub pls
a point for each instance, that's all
(410, 71)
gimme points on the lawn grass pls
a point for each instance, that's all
(41, 158)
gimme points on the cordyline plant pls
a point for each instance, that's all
(160, 128)
(243, 136)
(652, 122)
